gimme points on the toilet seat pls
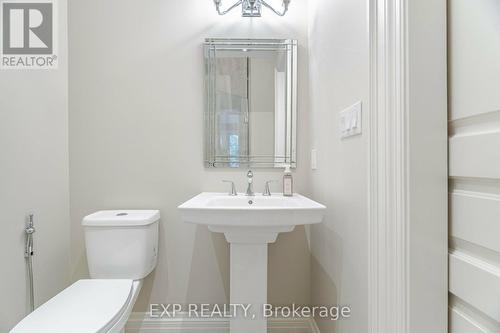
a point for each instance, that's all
(87, 306)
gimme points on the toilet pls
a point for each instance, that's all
(122, 249)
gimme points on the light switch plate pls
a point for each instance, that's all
(314, 159)
(350, 121)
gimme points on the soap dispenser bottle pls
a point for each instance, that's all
(287, 182)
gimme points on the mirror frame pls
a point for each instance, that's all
(211, 46)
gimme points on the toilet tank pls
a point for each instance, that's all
(121, 244)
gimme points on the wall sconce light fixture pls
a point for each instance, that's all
(251, 8)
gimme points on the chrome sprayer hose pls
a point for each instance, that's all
(28, 254)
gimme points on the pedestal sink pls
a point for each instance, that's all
(249, 224)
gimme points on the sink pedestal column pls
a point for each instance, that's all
(248, 270)
(249, 286)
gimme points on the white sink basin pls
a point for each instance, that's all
(249, 224)
(241, 211)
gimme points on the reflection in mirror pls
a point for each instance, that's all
(251, 107)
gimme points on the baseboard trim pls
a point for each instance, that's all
(141, 322)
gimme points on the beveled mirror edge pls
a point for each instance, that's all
(250, 41)
(291, 46)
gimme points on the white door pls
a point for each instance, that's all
(474, 88)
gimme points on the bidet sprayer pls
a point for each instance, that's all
(29, 230)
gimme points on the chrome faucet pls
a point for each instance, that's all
(250, 184)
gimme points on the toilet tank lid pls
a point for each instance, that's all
(121, 218)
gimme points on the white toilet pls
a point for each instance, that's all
(122, 249)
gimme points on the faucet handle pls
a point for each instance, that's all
(233, 188)
(267, 190)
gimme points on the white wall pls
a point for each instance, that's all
(339, 77)
(136, 124)
(428, 166)
(34, 178)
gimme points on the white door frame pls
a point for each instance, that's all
(397, 291)
(388, 221)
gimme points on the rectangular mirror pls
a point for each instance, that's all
(251, 103)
